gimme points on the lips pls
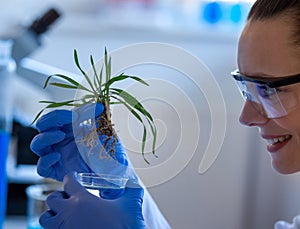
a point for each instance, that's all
(275, 143)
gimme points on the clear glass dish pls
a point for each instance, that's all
(101, 181)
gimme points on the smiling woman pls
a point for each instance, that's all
(266, 50)
(268, 78)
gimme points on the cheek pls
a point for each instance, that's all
(290, 124)
(288, 161)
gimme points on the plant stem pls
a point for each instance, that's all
(107, 110)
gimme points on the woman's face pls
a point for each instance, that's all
(265, 49)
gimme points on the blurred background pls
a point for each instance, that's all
(240, 190)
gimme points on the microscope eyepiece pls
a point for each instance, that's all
(42, 24)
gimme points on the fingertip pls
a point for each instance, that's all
(89, 111)
(70, 176)
(53, 120)
(46, 219)
(99, 109)
(71, 184)
(42, 141)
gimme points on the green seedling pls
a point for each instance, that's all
(100, 89)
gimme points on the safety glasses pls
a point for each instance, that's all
(269, 96)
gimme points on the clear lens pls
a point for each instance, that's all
(270, 102)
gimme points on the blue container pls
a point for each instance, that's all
(224, 14)
(7, 72)
(4, 144)
(212, 12)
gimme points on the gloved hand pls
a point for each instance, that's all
(77, 208)
(59, 153)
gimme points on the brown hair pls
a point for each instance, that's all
(266, 9)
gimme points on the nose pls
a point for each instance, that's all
(250, 116)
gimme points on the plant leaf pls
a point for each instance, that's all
(37, 116)
(154, 134)
(132, 101)
(107, 66)
(87, 78)
(63, 85)
(123, 77)
(137, 105)
(70, 80)
(141, 120)
(58, 104)
(97, 81)
(52, 105)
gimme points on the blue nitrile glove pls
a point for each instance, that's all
(77, 208)
(59, 154)
(57, 148)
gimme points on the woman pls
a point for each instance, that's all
(268, 77)
(269, 50)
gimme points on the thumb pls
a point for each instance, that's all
(71, 185)
(134, 190)
(89, 111)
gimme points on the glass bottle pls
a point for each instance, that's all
(7, 71)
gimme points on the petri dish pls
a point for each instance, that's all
(101, 181)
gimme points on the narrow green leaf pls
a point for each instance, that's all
(107, 63)
(141, 120)
(100, 88)
(89, 96)
(115, 103)
(96, 79)
(132, 101)
(51, 105)
(87, 78)
(64, 85)
(57, 104)
(73, 82)
(123, 77)
(70, 80)
(144, 140)
(137, 105)
(154, 134)
(37, 116)
(108, 71)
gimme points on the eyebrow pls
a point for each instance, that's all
(257, 75)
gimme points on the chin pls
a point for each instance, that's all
(283, 168)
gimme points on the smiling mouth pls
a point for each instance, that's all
(274, 141)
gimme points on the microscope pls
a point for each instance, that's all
(21, 164)
(26, 41)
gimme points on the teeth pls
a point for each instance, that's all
(276, 140)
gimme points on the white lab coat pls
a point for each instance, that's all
(285, 225)
(152, 215)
